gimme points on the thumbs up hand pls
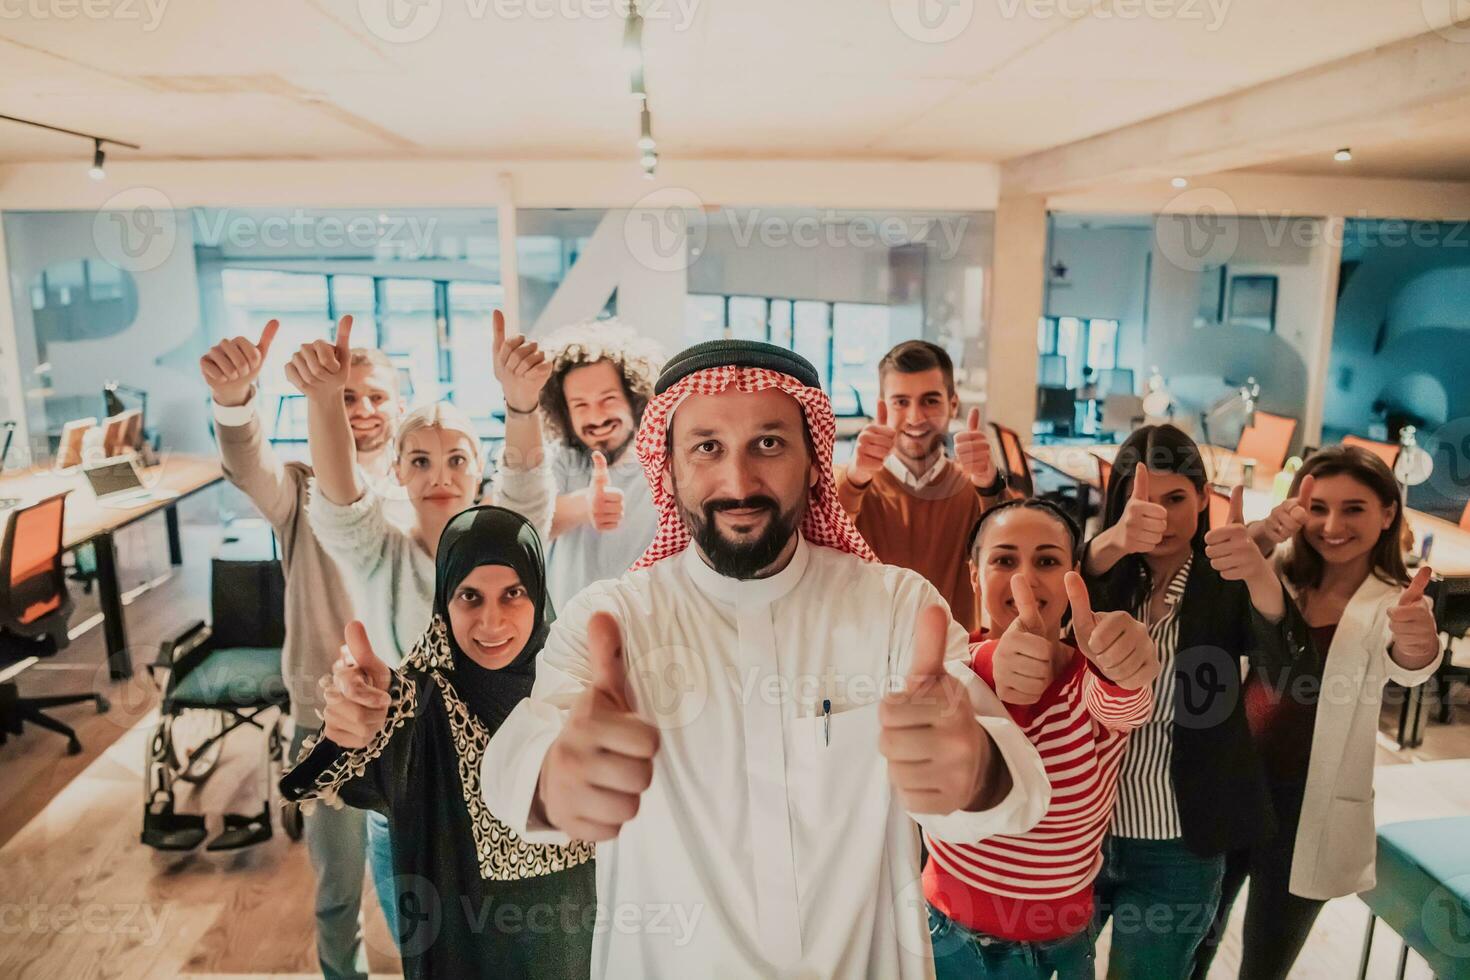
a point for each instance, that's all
(937, 752)
(1023, 662)
(231, 366)
(1230, 549)
(1143, 523)
(1411, 622)
(874, 444)
(1116, 643)
(319, 369)
(1287, 517)
(357, 694)
(972, 452)
(520, 366)
(604, 503)
(598, 767)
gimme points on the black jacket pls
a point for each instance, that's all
(1219, 782)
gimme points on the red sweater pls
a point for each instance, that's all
(1037, 886)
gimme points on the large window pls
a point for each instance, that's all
(1073, 350)
(437, 332)
(471, 345)
(844, 341)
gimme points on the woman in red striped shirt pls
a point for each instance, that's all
(1020, 906)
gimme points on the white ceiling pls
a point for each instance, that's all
(771, 79)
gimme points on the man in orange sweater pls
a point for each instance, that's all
(913, 504)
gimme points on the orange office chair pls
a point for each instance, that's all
(1013, 460)
(1104, 473)
(1267, 441)
(1465, 517)
(1386, 451)
(34, 608)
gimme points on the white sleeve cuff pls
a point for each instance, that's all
(1024, 805)
(234, 415)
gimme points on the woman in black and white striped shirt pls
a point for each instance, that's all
(1191, 787)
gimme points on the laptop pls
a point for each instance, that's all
(116, 482)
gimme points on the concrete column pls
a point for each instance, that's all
(1326, 264)
(1016, 298)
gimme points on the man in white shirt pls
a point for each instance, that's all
(717, 717)
(317, 604)
(602, 376)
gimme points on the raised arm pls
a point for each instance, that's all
(572, 759)
(319, 369)
(1237, 557)
(960, 766)
(231, 369)
(368, 717)
(1123, 661)
(1138, 530)
(524, 482)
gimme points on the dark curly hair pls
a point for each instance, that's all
(637, 359)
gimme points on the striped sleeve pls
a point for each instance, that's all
(1115, 708)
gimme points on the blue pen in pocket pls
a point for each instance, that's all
(826, 721)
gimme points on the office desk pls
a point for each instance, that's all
(1450, 557)
(89, 522)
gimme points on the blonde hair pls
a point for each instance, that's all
(438, 415)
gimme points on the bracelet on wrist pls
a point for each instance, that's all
(523, 413)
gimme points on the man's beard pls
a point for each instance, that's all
(584, 450)
(744, 560)
(372, 443)
(933, 443)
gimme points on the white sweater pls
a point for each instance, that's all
(389, 578)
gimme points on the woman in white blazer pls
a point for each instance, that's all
(1337, 543)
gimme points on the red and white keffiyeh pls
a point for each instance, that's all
(825, 523)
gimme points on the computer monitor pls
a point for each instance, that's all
(113, 432)
(114, 405)
(69, 451)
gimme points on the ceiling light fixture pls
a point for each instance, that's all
(98, 156)
(1343, 155)
(645, 129)
(1179, 182)
(633, 56)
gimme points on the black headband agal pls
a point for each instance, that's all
(736, 353)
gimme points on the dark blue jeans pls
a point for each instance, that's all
(1161, 897)
(963, 954)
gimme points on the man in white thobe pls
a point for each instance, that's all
(720, 718)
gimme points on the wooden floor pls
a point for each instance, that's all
(81, 898)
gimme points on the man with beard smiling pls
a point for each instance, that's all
(913, 504)
(717, 717)
(602, 376)
(317, 604)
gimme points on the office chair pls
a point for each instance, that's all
(1386, 451)
(1019, 479)
(1104, 473)
(34, 608)
(1267, 440)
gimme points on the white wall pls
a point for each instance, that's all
(1152, 289)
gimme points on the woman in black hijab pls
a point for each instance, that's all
(474, 900)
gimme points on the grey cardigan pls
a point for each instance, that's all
(1336, 841)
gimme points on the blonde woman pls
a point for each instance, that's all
(389, 568)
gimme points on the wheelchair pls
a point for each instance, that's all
(225, 676)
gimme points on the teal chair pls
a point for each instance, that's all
(1423, 893)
